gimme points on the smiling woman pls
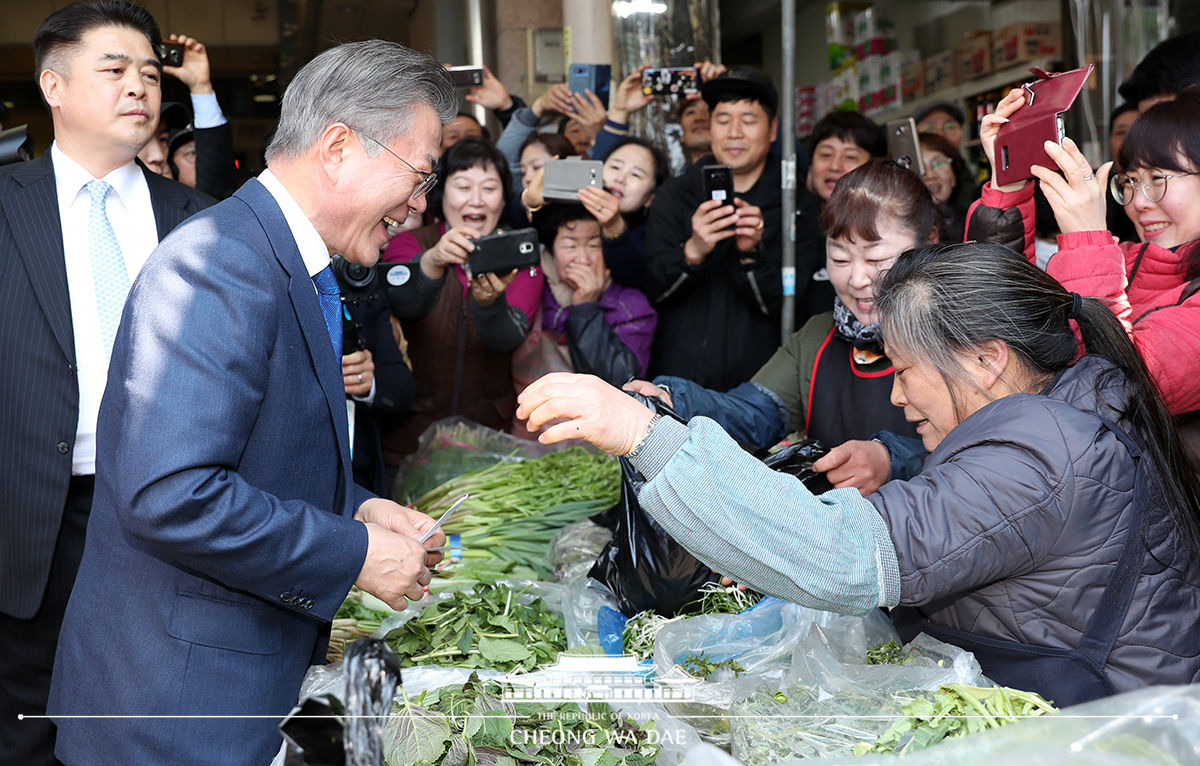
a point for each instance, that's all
(1046, 476)
(1153, 286)
(461, 328)
(831, 379)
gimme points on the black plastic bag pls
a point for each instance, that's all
(321, 731)
(643, 566)
(797, 459)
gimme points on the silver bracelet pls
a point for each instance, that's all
(649, 427)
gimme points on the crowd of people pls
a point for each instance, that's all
(201, 444)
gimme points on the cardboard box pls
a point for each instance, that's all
(843, 88)
(879, 83)
(940, 72)
(806, 110)
(975, 55)
(839, 32)
(1019, 43)
(912, 75)
(874, 33)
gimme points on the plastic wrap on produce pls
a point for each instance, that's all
(832, 699)
(584, 600)
(760, 641)
(573, 550)
(1156, 726)
(453, 446)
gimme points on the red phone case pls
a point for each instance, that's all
(1020, 142)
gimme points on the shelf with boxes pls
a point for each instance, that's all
(963, 94)
(872, 74)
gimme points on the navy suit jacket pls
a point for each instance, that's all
(39, 392)
(222, 539)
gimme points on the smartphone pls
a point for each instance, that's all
(670, 81)
(171, 54)
(466, 76)
(718, 183)
(563, 179)
(904, 146)
(503, 251)
(593, 77)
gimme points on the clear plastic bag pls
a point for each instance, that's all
(831, 700)
(453, 446)
(582, 604)
(574, 549)
(1155, 726)
(760, 640)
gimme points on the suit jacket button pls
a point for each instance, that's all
(308, 603)
(63, 448)
(286, 597)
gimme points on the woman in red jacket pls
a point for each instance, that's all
(1150, 285)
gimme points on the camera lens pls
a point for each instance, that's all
(352, 275)
(358, 275)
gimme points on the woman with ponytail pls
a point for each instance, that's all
(1053, 530)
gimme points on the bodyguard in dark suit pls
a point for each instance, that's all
(52, 335)
(226, 528)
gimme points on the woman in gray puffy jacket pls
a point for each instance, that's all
(1053, 531)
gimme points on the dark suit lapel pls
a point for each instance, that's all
(170, 200)
(32, 211)
(308, 311)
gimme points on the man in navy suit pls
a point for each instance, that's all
(226, 528)
(99, 76)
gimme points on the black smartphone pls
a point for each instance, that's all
(593, 77)
(670, 81)
(170, 54)
(904, 146)
(466, 76)
(503, 251)
(718, 183)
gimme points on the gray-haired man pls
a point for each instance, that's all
(226, 528)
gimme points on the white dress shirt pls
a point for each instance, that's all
(132, 217)
(313, 251)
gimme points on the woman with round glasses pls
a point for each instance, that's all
(948, 181)
(1150, 285)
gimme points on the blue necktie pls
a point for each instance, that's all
(331, 306)
(109, 277)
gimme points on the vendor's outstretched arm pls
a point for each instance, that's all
(763, 528)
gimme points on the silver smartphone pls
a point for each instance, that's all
(904, 145)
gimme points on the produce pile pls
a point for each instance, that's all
(516, 507)
(471, 724)
(954, 711)
(489, 626)
(642, 628)
(770, 681)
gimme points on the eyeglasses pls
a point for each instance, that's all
(427, 179)
(1123, 186)
(937, 165)
(949, 126)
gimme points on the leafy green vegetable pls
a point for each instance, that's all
(887, 653)
(476, 726)
(719, 599)
(485, 627)
(518, 506)
(702, 667)
(642, 628)
(773, 726)
(955, 710)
